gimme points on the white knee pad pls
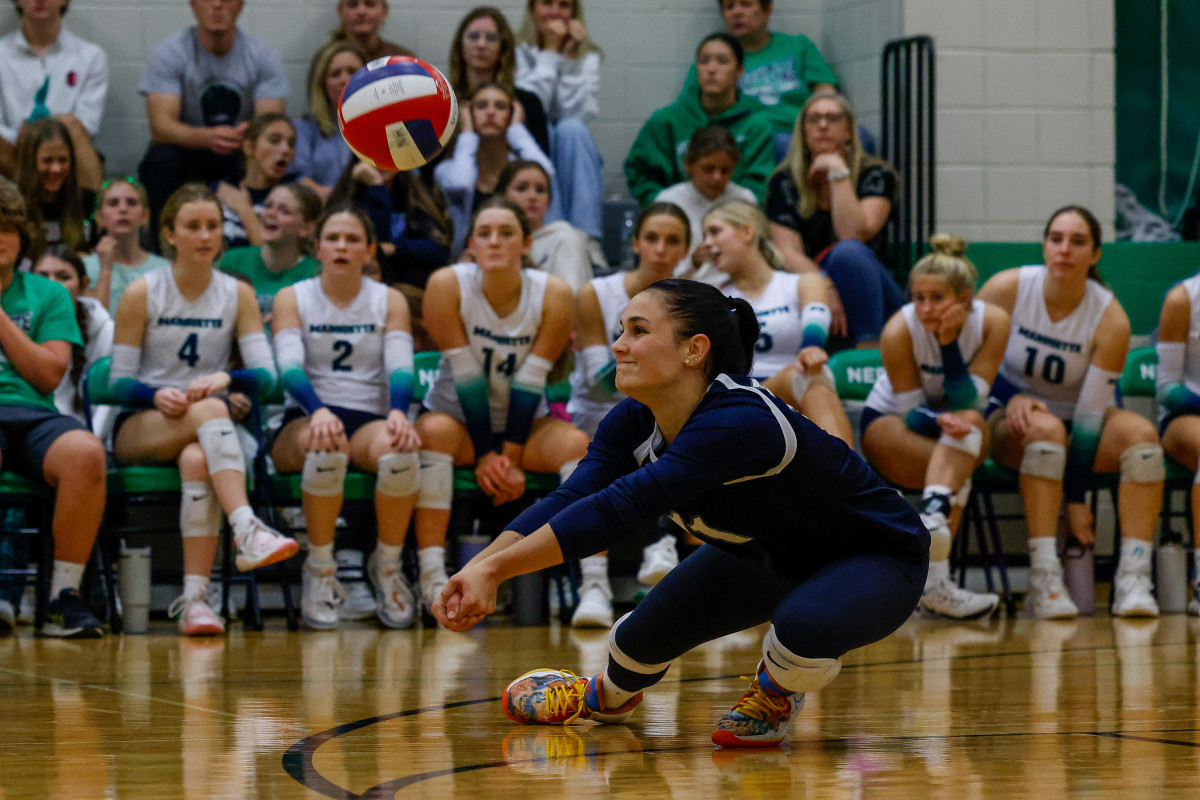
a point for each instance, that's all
(1143, 463)
(436, 481)
(567, 469)
(962, 495)
(1044, 460)
(797, 673)
(625, 661)
(802, 380)
(219, 440)
(199, 511)
(324, 474)
(397, 474)
(970, 444)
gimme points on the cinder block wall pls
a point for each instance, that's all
(1025, 87)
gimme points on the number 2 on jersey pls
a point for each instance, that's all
(346, 349)
(188, 351)
(1053, 366)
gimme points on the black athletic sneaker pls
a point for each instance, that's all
(68, 617)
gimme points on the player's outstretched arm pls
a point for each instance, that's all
(471, 594)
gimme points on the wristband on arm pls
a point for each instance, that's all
(398, 363)
(1095, 397)
(528, 386)
(470, 385)
(289, 347)
(131, 392)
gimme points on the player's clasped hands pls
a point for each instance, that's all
(171, 402)
(954, 423)
(467, 598)
(207, 385)
(499, 478)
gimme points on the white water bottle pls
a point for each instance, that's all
(135, 589)
(1170, 562)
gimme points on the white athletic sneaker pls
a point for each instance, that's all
(360, 603)
(260, 545)
(657, 560)
(946, 598)
(27, 610)
(432, 584)
(195, 616)
(1133, 595)
(1048, 597)
(397, 606)
(320, 596)
(8, 617)
(595, 605)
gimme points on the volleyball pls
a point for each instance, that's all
(397, 113)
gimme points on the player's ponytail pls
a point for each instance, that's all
(730, 325)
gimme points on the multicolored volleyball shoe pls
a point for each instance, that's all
(759, 719)
(560, 697)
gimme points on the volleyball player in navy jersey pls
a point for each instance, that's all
(798, 530)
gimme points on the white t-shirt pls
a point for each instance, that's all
(696, 206)
(78, 75)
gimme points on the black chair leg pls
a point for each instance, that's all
(988, 512)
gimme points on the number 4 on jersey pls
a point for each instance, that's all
(188, 351)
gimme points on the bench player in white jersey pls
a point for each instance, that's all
(345, 353)
(176, 328)
(1178, 390)
(922, 424)
(1065, 354)
(500, 327)
(789, 356)
(660, 241)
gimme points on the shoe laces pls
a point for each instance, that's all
(760, 704)
(181, 604)
(567, 696)
(329, 589)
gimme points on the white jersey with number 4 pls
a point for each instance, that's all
(343, 347)
(780, 332)
(183, 340)
(498, 344)
(1047, 359)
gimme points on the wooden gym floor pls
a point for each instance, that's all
(1015, 708)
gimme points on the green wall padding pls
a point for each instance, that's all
(1139, 95)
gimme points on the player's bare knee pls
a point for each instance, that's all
(192, 464)
(439, 432)
(1045, 428)
(209, 408)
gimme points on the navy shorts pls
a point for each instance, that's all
(352, 419)
(27, 434)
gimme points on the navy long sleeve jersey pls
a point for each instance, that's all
(744, 468)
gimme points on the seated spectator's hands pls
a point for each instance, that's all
(576, 34)
(952, 322)
(171, 402)
(554, 35)
(239, 406)
(402, 436)
(325, 432)
(207, 385)
(1019, 413)
(826, 162)
(225, 139)
(367, 173)
(236, 197)
(106, 252)
(499, 478)
(954, 423)
(812, 359)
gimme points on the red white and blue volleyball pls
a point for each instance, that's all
(397, 113)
